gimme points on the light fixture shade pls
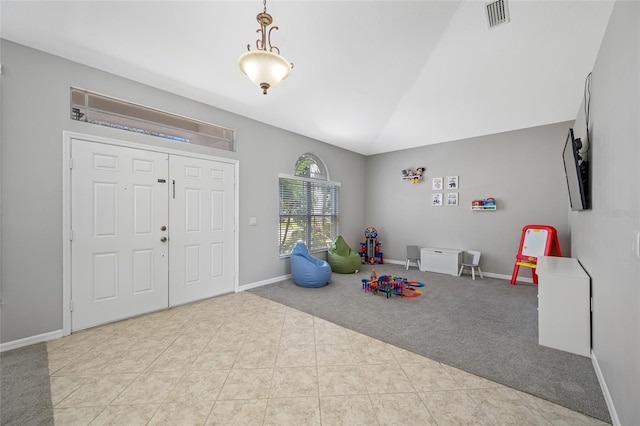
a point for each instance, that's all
(264, 68)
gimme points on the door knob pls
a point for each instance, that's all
(163, 228)
(163, 239)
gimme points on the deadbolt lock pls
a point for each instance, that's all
(163, 228)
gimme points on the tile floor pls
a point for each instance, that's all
(240, 359)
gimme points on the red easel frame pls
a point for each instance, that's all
(530, 259)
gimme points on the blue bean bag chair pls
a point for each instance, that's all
(306, 270)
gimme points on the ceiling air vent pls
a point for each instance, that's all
(497, 13)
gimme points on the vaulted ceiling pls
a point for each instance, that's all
(369, 76)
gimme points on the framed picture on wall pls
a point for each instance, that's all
(452, 182)
(436, 184)
(452, 198)
(436, 199)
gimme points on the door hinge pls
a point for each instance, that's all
(71, 163)
(71, 306)
(70, 234)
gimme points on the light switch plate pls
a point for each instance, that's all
(253, 221)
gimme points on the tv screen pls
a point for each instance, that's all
(577, 171)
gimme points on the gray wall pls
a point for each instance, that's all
(522, 170)
(35, 108)
(602, 237)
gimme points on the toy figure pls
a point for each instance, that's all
(370, 249)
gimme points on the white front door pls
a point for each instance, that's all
(119, 251)
(202, 227)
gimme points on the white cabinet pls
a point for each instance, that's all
(564, 305)
(444, 261)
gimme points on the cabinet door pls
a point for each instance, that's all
(564, 308)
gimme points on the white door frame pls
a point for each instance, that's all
(67, 137)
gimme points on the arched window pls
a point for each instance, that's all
(309, 165)
(309, 206)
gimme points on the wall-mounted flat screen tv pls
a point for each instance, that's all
(577, 171)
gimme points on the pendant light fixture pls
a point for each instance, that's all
(264, 66)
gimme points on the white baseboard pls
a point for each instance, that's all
(391, 261)
(615, 421)
(488, 274)
(263, 282)
(15, 344)
(508, 277)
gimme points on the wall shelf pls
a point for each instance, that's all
(484, 205)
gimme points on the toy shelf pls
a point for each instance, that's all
(484, 208)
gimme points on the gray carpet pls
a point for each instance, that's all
(25, 393)
(486, 327)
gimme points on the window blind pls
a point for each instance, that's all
(309, 212)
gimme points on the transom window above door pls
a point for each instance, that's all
(107, 111)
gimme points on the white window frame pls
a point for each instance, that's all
(309, 210)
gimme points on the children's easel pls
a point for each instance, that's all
(536, 240)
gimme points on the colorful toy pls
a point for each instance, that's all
(370, 249)
(391, 286)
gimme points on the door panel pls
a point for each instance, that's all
(105, 277)
(142, 271)
(202, 231)
(119, 265)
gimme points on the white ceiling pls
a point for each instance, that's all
(369, 76)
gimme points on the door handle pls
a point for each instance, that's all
(163, 239)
